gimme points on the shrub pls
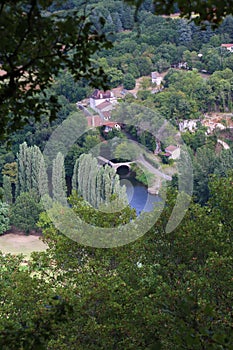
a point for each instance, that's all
(129, 82)
(4, 218)
(25, 212)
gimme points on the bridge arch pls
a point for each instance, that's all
(120, 168)
(123, 169)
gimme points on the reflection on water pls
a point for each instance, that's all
(138, 196)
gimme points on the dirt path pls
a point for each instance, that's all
(21, 244)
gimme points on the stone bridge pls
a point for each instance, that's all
(116, 166)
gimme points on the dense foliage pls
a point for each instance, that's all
(39, 39)
(4, 217)
(97, 185)
(164, 290)
(25, 211)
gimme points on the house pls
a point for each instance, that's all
(100, 96)
(229, 47)
(104, 110)
(156, 78)
(108, 126)
(96, 121)
(188, 125)
(104, 106)
(180, 65)
(106, 115)
(172, 152)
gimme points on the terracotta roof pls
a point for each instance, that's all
(106, 114)
(227, 45)
(110, 124)
(95, 121)
(103, 105)
(171, 148)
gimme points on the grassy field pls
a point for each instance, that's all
(21, 244)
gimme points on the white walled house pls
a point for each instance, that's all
(100, 96)
(188, 125)
(172, 152)
(229, 47)
(156, 78)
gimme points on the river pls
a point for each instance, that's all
(138, 196)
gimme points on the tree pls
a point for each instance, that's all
(129, 82)
(7, 190)
(4, 217)
(207, 163)
(178, 285)
(33, 307)
(115, 77)
(214, 11)
(126, 151)
(221, 198)
(40, 39)
(117, 22)
(59, 180)
(72, 90)
(25, 211)
(32, 173)
(10, 169)
(97, 186)
(144, 65)
(145, 83)
(185, 33)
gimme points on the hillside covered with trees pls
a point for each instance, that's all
(158, 290)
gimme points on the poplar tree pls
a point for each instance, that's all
(75, 175)
(31, 170)
(84, 177)
(58, 179)
(7, 189)
(22, 165)
(96, 185)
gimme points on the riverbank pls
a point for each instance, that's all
(157, 176)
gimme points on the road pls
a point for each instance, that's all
(151, 169)
(84, 109)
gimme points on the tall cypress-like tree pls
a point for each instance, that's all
(31, 170)
(96, 185)
(22, 165)
(75, 175)
(58, 179)
(84, 177)
(7, 189)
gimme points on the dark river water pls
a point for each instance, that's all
(138, 196)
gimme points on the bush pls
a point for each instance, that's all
(142, 175)
(4, 218)
(129, 82)
(25, 212)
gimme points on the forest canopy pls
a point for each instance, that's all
(39, 38)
